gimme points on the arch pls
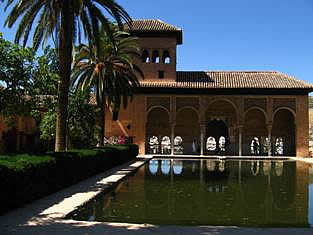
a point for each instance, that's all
(255, 132)
(222, 117)
(188, 128)
(157, 107)
(225, 100)
(215, 130)
(257, 108)
(188, 107)
(145, 57)
(158, 126)
(282, 108)
(155, 57)
(284, 130)
(166, 59)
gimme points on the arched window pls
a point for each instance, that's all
(154, 144)
(145, 58)
(211, 144)
(255, 146)
(266, 145)
(221, 143)
(166, 59)
(178, 145)
(155, 57)
(166, 145)
(279, 146)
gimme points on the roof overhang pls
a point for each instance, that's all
(223, 91)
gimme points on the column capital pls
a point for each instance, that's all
(202, 123)
(240, 126)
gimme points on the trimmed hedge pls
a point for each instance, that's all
(24, 177)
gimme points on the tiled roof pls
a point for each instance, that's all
(229, 80)
(151, 25)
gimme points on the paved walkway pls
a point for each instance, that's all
(45, 216)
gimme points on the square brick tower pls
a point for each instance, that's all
(158, 41)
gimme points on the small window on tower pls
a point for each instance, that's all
(161, 74)
(166, 57)
(155, 57)
(145, 57)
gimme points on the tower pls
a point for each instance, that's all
(158, 41)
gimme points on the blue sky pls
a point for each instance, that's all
(234, 34)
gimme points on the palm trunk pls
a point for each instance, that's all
(102, 123)
(65, 57)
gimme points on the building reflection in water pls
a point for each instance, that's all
(215, 192)
(165, 167)
(311, 195)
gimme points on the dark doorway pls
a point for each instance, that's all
(218, 130)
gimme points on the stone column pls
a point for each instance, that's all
(202, 136)
(269, 136)
(172, 137)
(201, 171)
(240, 140)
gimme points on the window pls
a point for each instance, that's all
(211, 144)
(161, 74)
(155, 57)
(166, 59)
(154, 144)
(221, 144)
(178, 145)
(145, 58)
(279, 146)
(255, 146)
(166, 145)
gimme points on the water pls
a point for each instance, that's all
(210, 192)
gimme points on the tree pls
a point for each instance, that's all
(64, 22)
(16, 66)
(110, 70)
(81, 121)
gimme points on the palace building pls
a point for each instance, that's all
(238, 113)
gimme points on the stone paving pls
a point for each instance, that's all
(45, 216)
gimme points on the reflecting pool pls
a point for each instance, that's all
(209, 192)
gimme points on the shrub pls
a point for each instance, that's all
(24, 178)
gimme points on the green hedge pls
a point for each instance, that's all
(24, 178)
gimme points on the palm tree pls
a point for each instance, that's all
(110, 71)
(64, 21)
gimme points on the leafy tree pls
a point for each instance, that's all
(81, 122)
(64, 21)
(110, 71)
(16, 66)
